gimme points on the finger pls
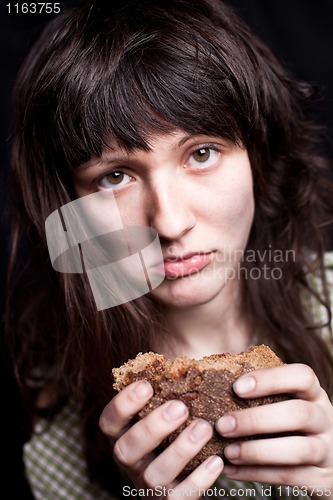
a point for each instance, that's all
(136, 471)
(195, 485)
(297, 379)
(286, 416)
(304, 477)
(291, 450)
(173, 459)
(144, 436)
(117, 415)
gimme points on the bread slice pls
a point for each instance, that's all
(204, 385)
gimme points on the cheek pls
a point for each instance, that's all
(232, 205)
(240, 206)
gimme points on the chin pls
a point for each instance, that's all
(189, 291)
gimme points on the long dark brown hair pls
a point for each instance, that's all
(119, 72)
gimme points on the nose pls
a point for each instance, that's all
(172, 212)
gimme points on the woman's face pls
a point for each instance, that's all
(196, 191)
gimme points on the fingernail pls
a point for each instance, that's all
(174, 410)
(200, 430)
(232, 451)
(244, 385)
(142, 390)
(226, 424)
(214, 463)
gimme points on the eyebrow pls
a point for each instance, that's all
(184, 139)
(120, 159)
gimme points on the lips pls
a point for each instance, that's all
(180, 266)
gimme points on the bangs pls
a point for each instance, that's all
(152, 90)
(118, 77)
(121, 90)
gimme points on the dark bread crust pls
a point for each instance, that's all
(204, 385)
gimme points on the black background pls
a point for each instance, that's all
(299, 32)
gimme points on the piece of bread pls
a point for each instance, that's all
(204, 385)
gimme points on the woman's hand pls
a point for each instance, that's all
(135, 444)
(303, 458)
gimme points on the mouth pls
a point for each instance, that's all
(187, 264)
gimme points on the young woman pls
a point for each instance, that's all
(180, 115)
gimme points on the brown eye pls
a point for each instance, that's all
(201, 155)
(115, 177)
(114, 180)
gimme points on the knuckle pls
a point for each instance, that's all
(311, 451)
(306, 413)
(149, 478)
(306, 454)
(256, 419)
(320, 451)
(104, 425)
(309, 377)
(119, 454)
(180, 452)
(112, 426)
(251, 451)
(113, 412)
(287, 475)
(323, 396)
(148, 428)
(192, 486)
